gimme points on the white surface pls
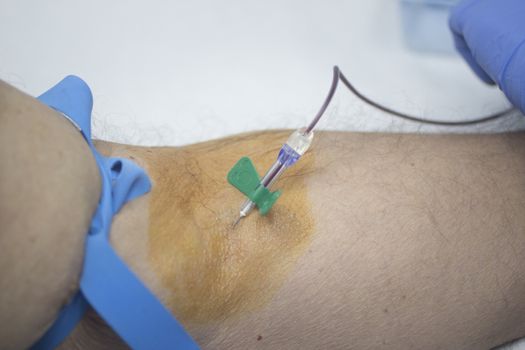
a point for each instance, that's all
(175, 72)
(166, 72)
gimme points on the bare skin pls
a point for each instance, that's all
(379, 241)
(49, 190)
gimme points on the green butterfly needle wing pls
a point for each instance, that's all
(244, 177)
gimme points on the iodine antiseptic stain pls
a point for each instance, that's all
(214, 272)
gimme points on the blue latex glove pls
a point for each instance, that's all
(490, 35)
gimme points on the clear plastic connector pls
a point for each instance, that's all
(296, 145)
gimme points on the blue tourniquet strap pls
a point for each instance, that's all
(107, 284)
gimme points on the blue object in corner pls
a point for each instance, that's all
(490, 35)
(106, 283)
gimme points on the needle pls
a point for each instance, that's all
(236, 222)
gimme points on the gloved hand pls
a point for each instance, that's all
(490, 35)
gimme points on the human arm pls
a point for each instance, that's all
(394, 241)
(49, 190)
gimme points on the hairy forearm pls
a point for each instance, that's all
(418, 244)
(395, 241)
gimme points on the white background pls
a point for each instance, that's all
(177, 72)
